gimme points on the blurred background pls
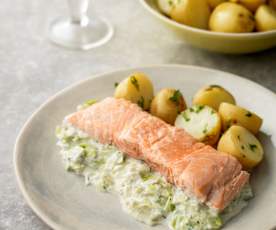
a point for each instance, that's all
(32, 69)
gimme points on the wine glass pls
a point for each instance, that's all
(78, 31)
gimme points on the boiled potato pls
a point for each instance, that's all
(167, 104)
(212, 96)
(137, 88)
(214, 3)
(243, 145)
(236, 115)
(265, 18)
(250, 4)
(272, 3)
(231, 18)
(202, 122)
(193, 13)
(166, 6)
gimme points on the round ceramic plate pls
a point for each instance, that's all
(63, 201)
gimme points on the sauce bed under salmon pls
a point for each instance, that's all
(213, 177)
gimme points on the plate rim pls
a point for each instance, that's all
(20, 183)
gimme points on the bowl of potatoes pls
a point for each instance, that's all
(226, 26)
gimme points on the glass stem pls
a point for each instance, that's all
(78, 11)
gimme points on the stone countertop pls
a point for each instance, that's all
(32, 69)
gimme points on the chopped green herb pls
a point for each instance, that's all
(83, 145)
(191, 109)
(116, 84)
(90, 102)
(145, 175)
(205, 129)
(215, 86)
(134, 81)
(176, 97)
(213, 112)
(228, 125)
(252, 147)
(210, 87)
(248, 114)
(199, 108)
(170, 2)
(186, 118)
(86, 104)
(141, 102)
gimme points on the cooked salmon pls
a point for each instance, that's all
(213, 177)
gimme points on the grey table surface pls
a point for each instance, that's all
(32, 69)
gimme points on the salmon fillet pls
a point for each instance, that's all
(213, 177)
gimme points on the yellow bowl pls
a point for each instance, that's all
(231, 43)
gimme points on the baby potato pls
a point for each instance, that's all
(265, 18)
(236, 115)
(243, 145)
(213, 96)
(167, 104)
(202, 122)
(250, 4)
(231, 18)
(166, 6)
(214, 3)
(193, 13)
(137, 88)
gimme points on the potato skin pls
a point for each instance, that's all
(193, 13)
(265, 18)
(236, 115)
(252, 5)
(213, 96)
(164, 107)
(230, 17)
(240, 143)
(214, 3)
(137, 88)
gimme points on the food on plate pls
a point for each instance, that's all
(193, 13)
(86, 104)
(166, 6)
(137, 88)
(202, 122)
(250, 4)
(265, 18)
(236, 115)
(243, 145)
(214, 3)
(167, 104)
(170, 151)
(158, 170)
(231, 18)
(213, 96)
(144, 194)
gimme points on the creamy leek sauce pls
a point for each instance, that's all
(144, 194)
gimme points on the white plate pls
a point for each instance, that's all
(63, 201)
